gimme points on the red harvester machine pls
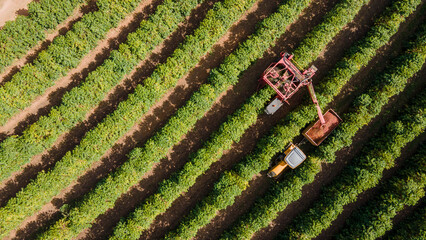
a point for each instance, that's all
(286, 79)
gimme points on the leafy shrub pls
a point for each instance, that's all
(97, 141)
(20, 35)
(406, 189)
(363, 173)
(60, 57)
(271, 144)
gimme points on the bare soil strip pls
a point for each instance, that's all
(227, 104)
(69, 140)
(32, 54)
(10, 9)
(53, 95)
(112, 158)
(329, 171)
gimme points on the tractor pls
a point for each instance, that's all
(286, 79)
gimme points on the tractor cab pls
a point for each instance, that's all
(291, 157)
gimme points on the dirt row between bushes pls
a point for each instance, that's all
(330, 171)
(53, 95)
(64, 143)
(165, 108)
(184, 204)
(32, 54)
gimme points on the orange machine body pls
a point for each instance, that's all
(291, 157)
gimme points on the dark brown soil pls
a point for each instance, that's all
(329, 171)
(113, 157)
(227, 104)
(67, 141)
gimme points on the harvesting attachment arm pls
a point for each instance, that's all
(315, 101)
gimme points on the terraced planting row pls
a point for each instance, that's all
(38, 210)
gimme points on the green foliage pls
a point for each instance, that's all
(405, 189)
(363, 173)
(289, 189)
(369, 104)
(413, 227)
(16, 151)
(141, 160)
(20, 35)
(283, 133)
(60, 57)
(100, 139)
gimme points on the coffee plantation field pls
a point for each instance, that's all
(127, 119)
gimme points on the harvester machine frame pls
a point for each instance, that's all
(286, 79)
